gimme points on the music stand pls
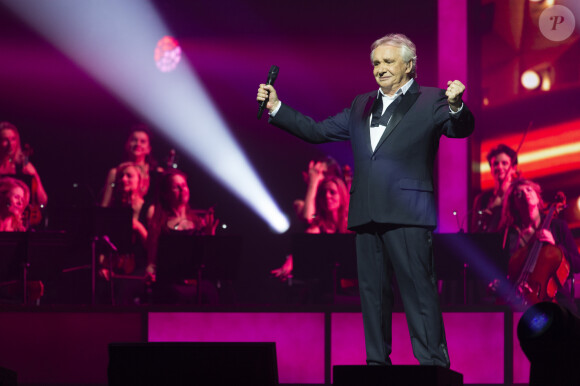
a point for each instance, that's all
(111, 226)
(32, 256)
(181, 257)
(324, 257)
(469, 256)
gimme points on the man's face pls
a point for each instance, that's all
(138, 145)
(389, 69)
(501, 167)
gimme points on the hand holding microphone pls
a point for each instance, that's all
(267, 97)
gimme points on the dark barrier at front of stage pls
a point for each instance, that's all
(179, 363)
(401, 375)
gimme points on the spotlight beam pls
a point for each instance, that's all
(114, 42)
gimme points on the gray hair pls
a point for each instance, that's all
(408, 49)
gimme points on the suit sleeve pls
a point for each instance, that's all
(452, 126)
(332, 129)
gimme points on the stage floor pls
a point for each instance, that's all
(69, 345)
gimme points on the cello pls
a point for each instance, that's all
(537, 271)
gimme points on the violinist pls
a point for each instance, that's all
(14, 161)
(487, 206)
(522, 217)
(14, 198)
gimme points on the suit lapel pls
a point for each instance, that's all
(407, 101)
(366, 123)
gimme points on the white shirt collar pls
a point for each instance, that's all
(402, 90)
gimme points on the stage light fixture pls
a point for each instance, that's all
(549, 335)
(530, 80)
(167, 54)
(117, 53)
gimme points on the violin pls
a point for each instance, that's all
(537, 271)
(34, 210)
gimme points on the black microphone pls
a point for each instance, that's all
(272, 75)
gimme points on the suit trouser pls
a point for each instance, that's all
(406, 252)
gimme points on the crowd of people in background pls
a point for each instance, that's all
(516, 210)
(159, 201)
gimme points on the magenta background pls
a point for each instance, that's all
(475, 340)
(453, 161)
(299, 337)
(63, 347)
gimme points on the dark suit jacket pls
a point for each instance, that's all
(393, 184)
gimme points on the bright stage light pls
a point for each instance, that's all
(530, 80)
(112, 40)
(167, 54)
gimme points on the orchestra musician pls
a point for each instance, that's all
(138, 151)
(128, 192)
(14, 162)
(522, 217)
(172, 214)
(487, 206)
(14, 198)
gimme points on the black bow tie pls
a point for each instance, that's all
(378, 118)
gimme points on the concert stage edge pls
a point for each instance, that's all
(69, 345)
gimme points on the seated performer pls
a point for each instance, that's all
(137, 151)
(331, 217)
(331, 207)
(486, 213)
(14, 198)
(14, 162)
(172, 214)
(522, 217)
(317, 170)
(128, 192)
